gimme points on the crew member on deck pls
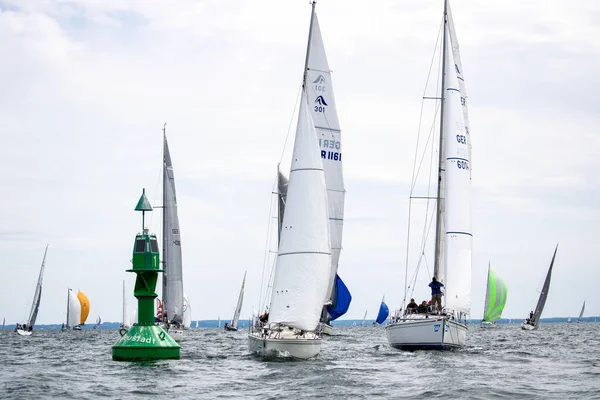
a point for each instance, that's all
(436, 293)
(411, 308)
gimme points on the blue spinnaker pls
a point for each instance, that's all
(341, 299)
(384, 311)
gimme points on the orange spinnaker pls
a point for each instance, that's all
(85, 307)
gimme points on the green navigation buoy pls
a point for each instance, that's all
(145, 340)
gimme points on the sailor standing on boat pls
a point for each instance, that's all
(436, 293)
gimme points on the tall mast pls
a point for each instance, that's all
(438, 224)
(312, 16)
(68, 290)
(164, 226)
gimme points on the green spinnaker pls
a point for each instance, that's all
(496, 295)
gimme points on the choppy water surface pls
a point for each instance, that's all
(557, 361)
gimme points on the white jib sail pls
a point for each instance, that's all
(171, 243)
(457, 196)
(37, 297)
(74, 313)
(238, 307)
(321, 101)
(303, 268)
(187, 311)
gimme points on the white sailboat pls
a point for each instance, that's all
(533, 320)
(78, 309)
(187, 312)
(581, 313)
(126, 319)
(364, 319)
(495, 299)
(238, 309)
(27, 328)
(303, 267)
(172, 277)
(98, 322)
(453, 237)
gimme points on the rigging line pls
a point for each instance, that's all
(422, 103)
(267, 244)
(290, 125)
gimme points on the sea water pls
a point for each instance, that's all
(557, 361)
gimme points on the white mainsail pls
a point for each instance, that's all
(303, 268)
(238, 307)
(321, 101)
(458, 236)
(73, 309)
(581, 313)
(37, 297)
(172, 263)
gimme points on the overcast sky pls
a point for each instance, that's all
(87, 86)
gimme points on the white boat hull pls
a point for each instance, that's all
(290, 345)
(176, 334)
(24, 333)
(486, 324)
(419, 332)
(326, 329)
(528, 327)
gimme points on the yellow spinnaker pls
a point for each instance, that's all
(85, 307)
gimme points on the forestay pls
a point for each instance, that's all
(173, 274)
(495, 296)
(458, 238)
(302, 271)
(319, 89)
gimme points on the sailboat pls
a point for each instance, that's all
(78, 309)
(27, 328)
(531, 322)
(98, 322)
(218, 322)
(3, 323)
(495, 299)
(172, 281)
(581, 313)
(302, 275)
(383, 313)
(453, 238)
(364, 318)
(238, 309)
(126, 319)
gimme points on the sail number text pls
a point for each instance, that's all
(462, 164)
(141, 339)
(320, 109)
(330, 144)
(461, 139)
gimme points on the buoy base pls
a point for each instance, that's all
(145, 343)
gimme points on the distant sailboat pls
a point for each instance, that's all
(3, 323)
(78, 309)
(196, 324)
(238, 309)
(364, 318)
(569, 319)
(495, 298)
(126, 319)
(187, 312)
(219, 322)
(533, 320)
(383, 313)
(27, 329)
(98, 322)
(581, 313)
(172, 284)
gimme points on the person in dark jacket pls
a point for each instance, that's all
(436, 293)
(411, 308)
(422, 308)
